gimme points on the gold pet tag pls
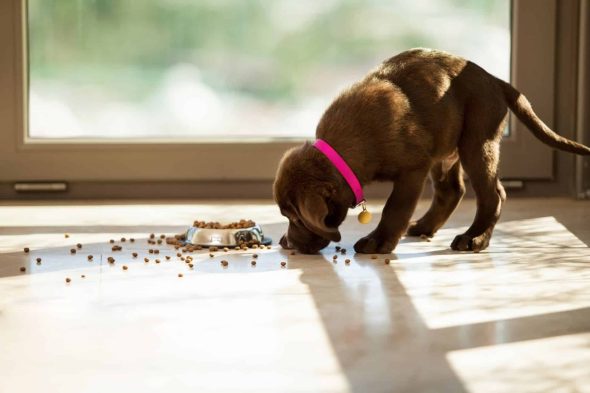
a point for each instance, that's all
(364, 217)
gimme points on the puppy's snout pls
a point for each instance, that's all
(284, 242)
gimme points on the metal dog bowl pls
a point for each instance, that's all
(226, 237)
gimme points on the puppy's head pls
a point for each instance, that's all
(310, 195)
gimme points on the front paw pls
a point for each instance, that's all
(373, 244)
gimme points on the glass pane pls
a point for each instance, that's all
(221, 69)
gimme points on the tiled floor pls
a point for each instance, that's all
(515, 318)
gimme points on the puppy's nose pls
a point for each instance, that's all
(285, 243)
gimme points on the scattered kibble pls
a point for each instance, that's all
(151, 251)
(116, 248)
(167, 257)
(134, 255)
(159, 241)
(180, 275)
(38, 261)
(123, 239)
(124, 267)
(82, 276)
(347, 261)
(156, 251)
(335, 257)
(66, 235)
(343, 251)
(213, 249)
(253, 263)
(79, 245)
(293, 253)
(162, 236)
(225, 249)
(112, 241)
(146, 260)
(190, 265)
(387, 261)
(337, 248)
(111, 260)
(211, 255)
(283, 264)
(152, 236)
(216, 225)
(224, 263)
(90, 257)
(373, 256)
(68, 280)
(255, 256)
(132, 240)
(26, 249)
(157, 261)
(179, 255)
(73, 250)
(23, 269)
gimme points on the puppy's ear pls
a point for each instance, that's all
(314, 210)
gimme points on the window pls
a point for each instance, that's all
(233, 69)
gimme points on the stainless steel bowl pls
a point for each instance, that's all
(225, 237)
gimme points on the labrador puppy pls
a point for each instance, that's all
(423, 112)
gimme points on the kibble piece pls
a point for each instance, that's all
(156, 251)
(387, 261)
(211, 255)
(347, 261)
(182, 258)
(190, 265)
(68, 280)
(343, 251)
(132, 240)
(335, 257)
(167, 257)
(373, 256)
(146, 260)
(23, 269)
(152, 235)
(26, 249)
(225, 249)
(253, 263)
(293, 253)
(134, 255)
(112, 241)
(111, 260)
(90, 257)
(79, 245)
(157, 261)
(237, 248)
(123, 239)
(73, 250)
(125, 267)
(66, 235)
(180, 275)
(255, 256)
(224, 263)
(159, 241)
(82, 276)
(116, 248)
(213, 249)
(283, 264)
(151, 251)
(38, 260)
(337, 248)
(162, 236)
(179, 255)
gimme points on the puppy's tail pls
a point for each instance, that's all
(522, 108)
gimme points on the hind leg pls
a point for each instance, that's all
(482, 167)
(447, 182)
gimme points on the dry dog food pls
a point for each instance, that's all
(116, 248)
(112, 241)
(190, 265)
(111, 260)
(347, 261)
(82, 276)
(180, 275)
(224, 263)
(134, 255)
(216, 225)
(167, 257)
(335, 257)
(66, 235)
(152, 236)
(255, 256)
(387, 261)
(38, 260)
(157, 261)
(73, 250)
(283, 264)
(27, 249)
(337, 248)
(79, 246)
(253, 263)
(23, 269)
(90, 257)
(68, 280)
(123, 239)
(146, 260)
(124, 267)
(132, 240)
(373, 256)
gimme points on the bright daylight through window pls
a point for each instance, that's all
(230, 69)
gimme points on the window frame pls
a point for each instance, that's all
(160, 161)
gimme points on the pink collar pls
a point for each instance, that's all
(343, 168)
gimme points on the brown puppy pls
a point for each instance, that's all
(421, 112)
